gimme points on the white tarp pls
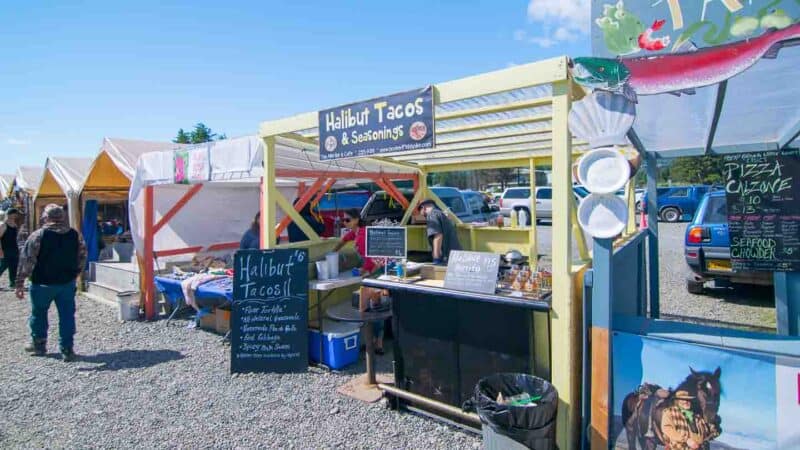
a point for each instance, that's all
(220, 212)
(125, 152)
(6, 180)
(69, 174)
(28, 178)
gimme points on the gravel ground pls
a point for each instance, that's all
(147, 385)
(748, 306)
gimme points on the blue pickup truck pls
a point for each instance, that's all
(707, 248)
(677, 203)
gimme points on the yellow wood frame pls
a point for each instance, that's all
(565, 316)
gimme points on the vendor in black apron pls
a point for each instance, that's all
(442, 235)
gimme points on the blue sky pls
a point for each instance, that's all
(73, 72)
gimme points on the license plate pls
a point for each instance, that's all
(720, 265)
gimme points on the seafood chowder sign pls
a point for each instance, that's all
(391, 124)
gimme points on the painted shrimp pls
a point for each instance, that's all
(648, 42)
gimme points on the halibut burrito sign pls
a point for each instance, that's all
(391, 124)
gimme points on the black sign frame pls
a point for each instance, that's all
(396, 255)
(391, 124)
(762, 193)
(269, 313)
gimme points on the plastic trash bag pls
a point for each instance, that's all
(532, 426)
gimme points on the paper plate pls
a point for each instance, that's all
(603, 170)
(603, 215)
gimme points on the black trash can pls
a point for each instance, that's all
(508, 426)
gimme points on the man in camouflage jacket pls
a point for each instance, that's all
(53, 257)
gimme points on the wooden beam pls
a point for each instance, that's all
(289, 124)
(341, 174)
(294, 215)
(503, 107)
(392, 190)
(177, 207)
(301, 203)
(269, 208)
(495, 124)
(147, 258)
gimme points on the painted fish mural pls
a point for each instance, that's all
(683, 71)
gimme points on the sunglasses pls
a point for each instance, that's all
(347, 220)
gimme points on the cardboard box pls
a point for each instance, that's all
(223, 323)
(208, 321)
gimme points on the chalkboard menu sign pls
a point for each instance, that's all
(269, 319)
(762, 191)
(472, 271)
(386, 242)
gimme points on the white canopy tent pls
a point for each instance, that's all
(6, 183)
(61, 181)
(203, 198)
(28, 179)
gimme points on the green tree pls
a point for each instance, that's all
(182, 137)
(697, 169)
(201, 133)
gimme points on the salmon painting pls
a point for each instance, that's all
(684, 71)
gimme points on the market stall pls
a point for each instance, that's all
(735, 98)
(105, 191)
(6, 181)
(201, 199)
(509, 118)
(24, 187)
(61, 183)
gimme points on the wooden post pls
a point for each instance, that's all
(601, 362)
(564, 336)
(269, 208)
(149, 227)
(533, 237)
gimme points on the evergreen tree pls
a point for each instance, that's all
(182, 137)
(202, 133)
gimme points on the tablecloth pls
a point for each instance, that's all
(211, 293)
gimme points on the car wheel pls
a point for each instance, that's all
(638, 207)
(670, 214)
(694, 287)
(528, 214)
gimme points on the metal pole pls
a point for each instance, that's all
(368, 336)
(433, 404)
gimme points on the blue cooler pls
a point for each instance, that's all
(340, 344)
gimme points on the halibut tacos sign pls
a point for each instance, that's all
(396, 123)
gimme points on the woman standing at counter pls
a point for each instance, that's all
(358, 235)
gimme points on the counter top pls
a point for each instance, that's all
(428, 288)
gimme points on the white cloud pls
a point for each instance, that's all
(520, 35)
(544, 42)
(15, 141)
(571, 14)
(569, 18)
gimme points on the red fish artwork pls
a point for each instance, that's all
(684, 71)
(648, 42)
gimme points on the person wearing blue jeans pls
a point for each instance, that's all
(53, 257)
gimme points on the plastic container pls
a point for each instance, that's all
(128, 306)
(603, 215)
(322, 270)
(340, 344)
(512, 427)
(333, 264)
(603, 170)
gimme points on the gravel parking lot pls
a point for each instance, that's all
(147, 385)
(740, 306)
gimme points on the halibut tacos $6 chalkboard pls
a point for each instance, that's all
(269, 318)
(762, 193)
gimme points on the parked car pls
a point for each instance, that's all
(519, 198)
(678, 202)
(707, 248)
(469, 206)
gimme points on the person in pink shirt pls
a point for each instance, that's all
(358, 235)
